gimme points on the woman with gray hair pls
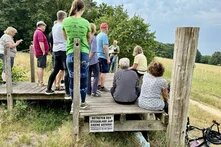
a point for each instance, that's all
(125, 88)
(8, 40)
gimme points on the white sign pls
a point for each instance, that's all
(101, 123)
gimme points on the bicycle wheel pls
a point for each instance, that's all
(214, 137)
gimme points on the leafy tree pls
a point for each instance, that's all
(164, 50)
(128, 31)
(198, 57)
(205, 59)
(215, 59)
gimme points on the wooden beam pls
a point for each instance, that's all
(183, 65)
(8, 74)
(76, 89)
(32, 63)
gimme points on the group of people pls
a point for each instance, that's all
(97, 58)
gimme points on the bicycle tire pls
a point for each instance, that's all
(214, 137)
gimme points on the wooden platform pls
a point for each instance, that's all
(29, 91)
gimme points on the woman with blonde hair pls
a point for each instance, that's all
(153, 88)
(7, 41)
(93, 65)
(75, 26)
(140, 61)
(125, 88)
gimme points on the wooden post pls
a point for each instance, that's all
(32, 63)
(76, 89)
(183, 65)
(8, 74)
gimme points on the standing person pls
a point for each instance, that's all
(7, 40)
(41, 48)
(125, 88)
(75, 26)
(153, 88)
(94, 65)
(103, 55)
(59, 50)
(114, 50)
(140, 61)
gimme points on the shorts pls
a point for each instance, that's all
(41, 61)
(104, 67)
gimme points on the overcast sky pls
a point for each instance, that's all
(165, 15)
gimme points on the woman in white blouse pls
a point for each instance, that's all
(154, 90)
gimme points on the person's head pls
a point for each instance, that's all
(41, 25)
(137, 50)
(77, 7)
(93, 28)
(124, 63)
(156, 69)
(10, 31)
(104, 27)
(115, 42)
(61, 15)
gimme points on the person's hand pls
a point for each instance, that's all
(19, 41)
(165, 93)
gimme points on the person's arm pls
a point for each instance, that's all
(12, 44)
(42, 46)
(134, 66)
(106, 52)
(165, 94)
(65, 35)
(91, 54)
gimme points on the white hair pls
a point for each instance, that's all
(124, 63)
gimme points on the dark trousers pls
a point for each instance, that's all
(95, 70)
(83, 71)
(59, 64)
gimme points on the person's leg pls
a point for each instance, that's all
(41, 65)
(104, 70)
(89, 80)
(59, 77)
(84, 75)
(95, 70)
(69, 62)
(57, 67)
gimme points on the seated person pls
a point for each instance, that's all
(140, 61)
(154, 87)
(125, 84)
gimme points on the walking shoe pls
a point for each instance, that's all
(49, 92)
(104, 89)
(67, 96)
(98, 91)
(96, 94)
(83, 105)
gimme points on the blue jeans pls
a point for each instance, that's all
(83, 73)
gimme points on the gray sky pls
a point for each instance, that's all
(165, 15)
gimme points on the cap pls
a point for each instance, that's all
(104, 25)
(40, 23)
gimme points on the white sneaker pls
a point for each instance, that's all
(83, 105)
(72, 108)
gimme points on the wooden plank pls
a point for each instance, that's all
(183, 64)
(32, 63)
(8, 73)
(134, 125)
(76, 89)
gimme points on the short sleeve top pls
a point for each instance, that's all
(141, 62)
(102, 39)
(6, 39)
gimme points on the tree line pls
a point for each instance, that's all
(128, 31)
(166, 50)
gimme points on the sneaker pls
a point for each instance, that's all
(96, 94)
(67, 97)
(104, 89)
(98, 91)
(49, 92)
(83, 105)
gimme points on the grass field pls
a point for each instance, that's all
(49, 124)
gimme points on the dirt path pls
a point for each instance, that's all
(207, 108)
